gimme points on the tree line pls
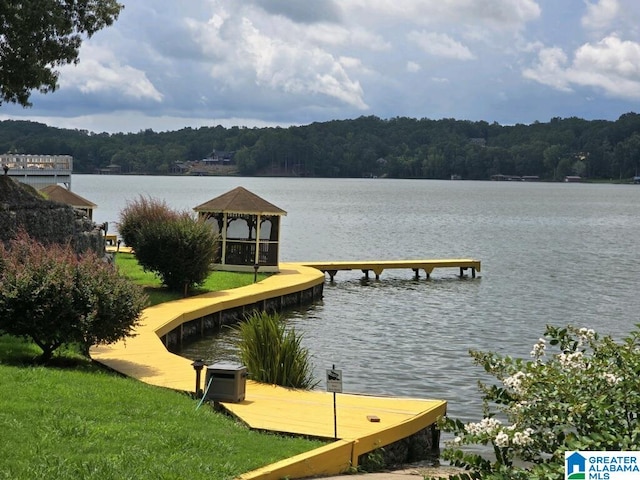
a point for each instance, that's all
(368, 146)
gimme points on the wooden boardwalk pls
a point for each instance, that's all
(378, 266)
(268, 407)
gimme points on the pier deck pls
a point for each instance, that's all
(378, 266)
(269, 407)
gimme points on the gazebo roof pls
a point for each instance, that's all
(62, 195)
(240, 200)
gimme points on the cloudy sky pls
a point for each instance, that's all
(169, 64)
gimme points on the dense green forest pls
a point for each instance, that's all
(367, 146)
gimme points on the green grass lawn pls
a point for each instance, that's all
(129, 267)
(75, 420)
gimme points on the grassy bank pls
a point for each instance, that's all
(83, 423)
(74, 420)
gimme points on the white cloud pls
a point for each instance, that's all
(278, 62)
(612, 65)
(100, 72)
(499, 14)
(173, 62)
(413, 67)
(600, 15)
(440, 45)
(134, 121)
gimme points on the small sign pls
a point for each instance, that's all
(334, 380)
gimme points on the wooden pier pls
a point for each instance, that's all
(378, 266)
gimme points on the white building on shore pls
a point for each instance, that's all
(38, 170)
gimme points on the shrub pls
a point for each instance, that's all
(54, 297)
(585, 396)
(139, 214)
(175, 246)
(274, 354)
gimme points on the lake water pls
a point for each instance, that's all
(551, 254)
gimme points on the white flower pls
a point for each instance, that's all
(585, 335)
(588, 333)
(539, 348)
(571, 360)
(514, 382)
(501, 440)
(486, 425)
(611, 379)
(523, 438)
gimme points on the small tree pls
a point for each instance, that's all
(53, 297)
(274, 354)
(585, 396)
(178, 248)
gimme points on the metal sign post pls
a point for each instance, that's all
(334, 384)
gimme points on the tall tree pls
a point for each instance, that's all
(38, 36)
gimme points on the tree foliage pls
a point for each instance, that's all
(578, 392)
(363, 147)
(178, 248)
(36, 37)
(54, 297)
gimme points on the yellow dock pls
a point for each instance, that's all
(378, 266)
(268, 407)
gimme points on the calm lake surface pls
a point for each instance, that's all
(551, 254)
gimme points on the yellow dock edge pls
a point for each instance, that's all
(331, 459)
(341, 456)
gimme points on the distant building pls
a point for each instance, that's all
(219, 158)
(38, 170)
(111, 169)
(505, 178)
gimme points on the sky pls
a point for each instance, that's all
(170, 64)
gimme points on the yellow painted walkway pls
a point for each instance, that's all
(268, 407)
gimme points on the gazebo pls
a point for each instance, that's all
(62, 195)
(250, 230)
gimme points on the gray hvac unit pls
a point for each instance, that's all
(228, 382)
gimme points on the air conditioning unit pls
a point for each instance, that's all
(225, 382)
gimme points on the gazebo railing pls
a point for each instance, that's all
(243, 252)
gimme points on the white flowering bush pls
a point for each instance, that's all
(576, 391)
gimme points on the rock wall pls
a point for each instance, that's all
(21, 206)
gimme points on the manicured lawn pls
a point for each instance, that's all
(75, 420)
(86, 423)
(129, 267)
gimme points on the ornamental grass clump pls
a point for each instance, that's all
(577, 391)
(274, 354)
